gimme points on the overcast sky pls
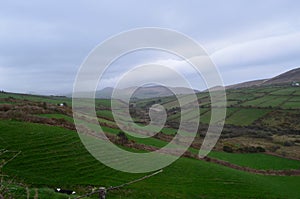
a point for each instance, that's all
(43, 43)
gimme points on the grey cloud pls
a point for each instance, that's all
(43, 43)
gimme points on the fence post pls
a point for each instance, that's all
(102, 193)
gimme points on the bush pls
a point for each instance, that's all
(274, 148)
(44, 105)
(227, 149)
(122, 137)
(260, 149)
(252, 149)
(288, 143)
(5, 107)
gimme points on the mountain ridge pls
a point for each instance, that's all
(144, 92)
(152, 91)
(284, 78)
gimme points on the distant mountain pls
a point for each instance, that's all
(160, 91)
(105, 93)
(284, 78)
(215, 88)
(247, 84)
(144, 92)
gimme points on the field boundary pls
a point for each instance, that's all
(290, 172)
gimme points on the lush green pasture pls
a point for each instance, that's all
(4, 102)
(295, 98)
(267, 101)
(228, 103)
(148, 141)
(284, 91)
(158, 100)
(106, 103)
(169, 131)
(20, 192)
(276, 101)
(258, 101)
(297, 91)
(205, 118)
(58, 116)
(257, 160)
(238, 96)
(171, 104)
(266, 90)
(105, 114)
(291, 105)
(188, 115)
(245, 117)
(53, 156)
(106, 121)
(38, 98)
(206, 114)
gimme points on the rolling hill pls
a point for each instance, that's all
(144, 92)
(284, 78)
(153, 91)
(247, 84)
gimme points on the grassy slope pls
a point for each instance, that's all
(260, 100)
(20, 192)
(246, 117)
(58, 116)
(52, 156)
(37, 98)
(257, 160)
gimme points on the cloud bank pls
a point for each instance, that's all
(42, 44)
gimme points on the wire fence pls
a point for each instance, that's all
(102, 191)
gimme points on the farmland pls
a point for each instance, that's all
(51, 154)
(48, 161)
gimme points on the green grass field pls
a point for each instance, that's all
(205, 116)
(291, 105)
(297, 92)
(245, 117)
(284, 91)
(53, 156)
(240, 96)
(258, 101)
(38, 98)
(257, 161)
(58, 116)
(105, 114)
(276, 101)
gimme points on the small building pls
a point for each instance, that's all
(295, 84)
(62, 104)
